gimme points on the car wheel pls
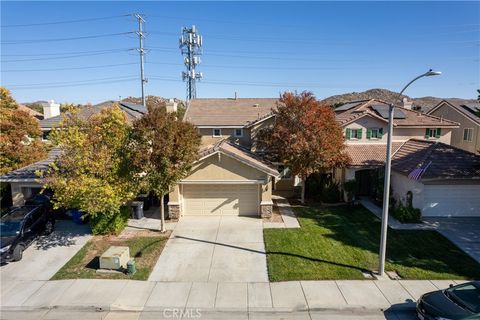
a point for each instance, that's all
(17, 253)
(48, 227)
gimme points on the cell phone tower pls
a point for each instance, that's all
(191, 47)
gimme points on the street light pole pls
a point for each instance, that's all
(388, 165)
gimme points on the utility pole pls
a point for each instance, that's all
(141, 36)
(191, 48)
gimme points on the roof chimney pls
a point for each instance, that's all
(407, 104)
(50, 109)
(171, 105)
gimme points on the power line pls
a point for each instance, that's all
(62, 53)
(25, 41)
(71, 68)
(63, 22)
(66, 57)
(67, 83)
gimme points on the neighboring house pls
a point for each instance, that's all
(365, 127)
(467, 136)
(37, 115)
(443, 180)
(24, 182)
(132, 111)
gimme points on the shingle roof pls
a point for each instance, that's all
(241, 154)
(466, 110)
(442, 161)
(27, 174)
(132, 111)
(369, 155)
(412, 118)
(228, 112)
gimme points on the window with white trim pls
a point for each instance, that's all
(468, 134)
(217, 132)
(238, 132)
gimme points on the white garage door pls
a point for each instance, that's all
(452, 200)
(221, 199)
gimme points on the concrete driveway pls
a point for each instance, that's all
(463, 232)
(48, 254)
(214, 249)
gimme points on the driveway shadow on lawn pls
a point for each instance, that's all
(424, 249)
(63, 235)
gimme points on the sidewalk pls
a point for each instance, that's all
(270, 297)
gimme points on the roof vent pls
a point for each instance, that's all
(256, 105)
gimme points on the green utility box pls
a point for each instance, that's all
(131, 269)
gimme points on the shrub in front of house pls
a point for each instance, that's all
(321, 187)
(406, 214)
(110, 223)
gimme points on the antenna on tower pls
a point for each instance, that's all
(191, 48)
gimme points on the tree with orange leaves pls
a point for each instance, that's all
(20, 142)
(305, 136)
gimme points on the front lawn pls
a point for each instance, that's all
(145, 247)
(341, 242)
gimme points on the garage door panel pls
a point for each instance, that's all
(221, 199)
(451, 200)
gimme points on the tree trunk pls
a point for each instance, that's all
(162, 214)
(302, 199)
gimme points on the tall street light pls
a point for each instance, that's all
(388, 163)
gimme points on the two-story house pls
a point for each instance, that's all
(467, 135)
(443, 180)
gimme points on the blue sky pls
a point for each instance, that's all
(255, 48)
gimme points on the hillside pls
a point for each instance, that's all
(426, 103)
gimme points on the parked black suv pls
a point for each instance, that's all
(19, 227)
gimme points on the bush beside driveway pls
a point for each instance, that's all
(342, 242)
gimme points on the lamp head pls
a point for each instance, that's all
(432, 73)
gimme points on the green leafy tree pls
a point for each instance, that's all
(162, 151)
(89, 174)
(305, 137)
(20, 142)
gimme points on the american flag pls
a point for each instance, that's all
(417, 173)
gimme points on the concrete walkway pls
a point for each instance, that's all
(289, 220)
(214, 249)
(392, 222)
(147, 297)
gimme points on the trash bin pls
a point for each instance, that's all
(137, 209)
(76, 216)
(131, 269)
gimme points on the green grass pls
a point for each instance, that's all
(340, 242)
(144, 249)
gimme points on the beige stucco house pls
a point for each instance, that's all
(467, 135)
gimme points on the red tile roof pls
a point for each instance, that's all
(369, 155)
(442, 161)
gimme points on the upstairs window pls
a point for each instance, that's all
(238, 132)
(468, 134)
(433, 133)
(374, 133)
(217, 132)
(353, 134)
